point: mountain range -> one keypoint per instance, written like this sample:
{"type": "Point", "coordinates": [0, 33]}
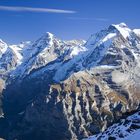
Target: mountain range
{"type": "Point", "coordinates": [69, 90]}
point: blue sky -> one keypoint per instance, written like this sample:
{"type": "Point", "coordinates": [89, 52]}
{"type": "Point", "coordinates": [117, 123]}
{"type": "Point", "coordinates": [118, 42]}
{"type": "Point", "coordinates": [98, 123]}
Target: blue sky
{"type": "Point", "coordinates": [22, 20]}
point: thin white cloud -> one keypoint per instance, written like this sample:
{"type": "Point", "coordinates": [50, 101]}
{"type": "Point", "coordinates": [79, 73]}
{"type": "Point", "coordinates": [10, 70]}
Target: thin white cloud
{"type": "Point", "coordinates": [31, 9]}
{"type": "Point", "coordinates": [88, 19]}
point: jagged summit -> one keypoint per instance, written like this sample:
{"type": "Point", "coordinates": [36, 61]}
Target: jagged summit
{"type": "Point", "coordinates": [123, 29]}
{"type": "Point", "coordinates": [113, 30]}
{"type": "Point", "coordinates": [49, 35]}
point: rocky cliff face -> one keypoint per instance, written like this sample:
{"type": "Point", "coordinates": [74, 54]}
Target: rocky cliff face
{"type": "Point", "coordinates": [71, 89]}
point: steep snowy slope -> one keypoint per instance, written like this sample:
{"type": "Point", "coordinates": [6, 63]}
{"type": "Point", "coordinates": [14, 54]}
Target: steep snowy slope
{"type": "Point", "coordinates": [126, 129]}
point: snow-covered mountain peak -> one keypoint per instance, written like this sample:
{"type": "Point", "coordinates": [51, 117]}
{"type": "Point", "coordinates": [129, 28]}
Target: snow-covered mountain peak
{"type": "Point", "coordinates": [101, 46]}
{"type": "Point", "coordinates": [47, 48]}
{"type": "Point", "coordinates": [123, 29]}
{"type": "Point", "coordinates": [45, 41]}
{"type": "Point", "coordinates": [49, 35]}
{"type": "Point", "coordinates": [114, 30]}
{"type": "Point", "coordinates": [121, 25]}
